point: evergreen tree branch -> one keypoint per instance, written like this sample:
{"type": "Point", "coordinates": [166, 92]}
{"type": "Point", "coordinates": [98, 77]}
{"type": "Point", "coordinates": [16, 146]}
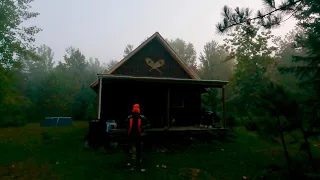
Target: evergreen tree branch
{"type": "Point", "coordinates": [242, 17]}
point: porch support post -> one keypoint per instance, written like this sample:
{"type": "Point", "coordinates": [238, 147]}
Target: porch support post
{"type": "Point", "coordinates": [168, 108]}
{"type": "Point", "coordinates": [224, 107]}
{"type": "Point", "coordinates": [99, 101]}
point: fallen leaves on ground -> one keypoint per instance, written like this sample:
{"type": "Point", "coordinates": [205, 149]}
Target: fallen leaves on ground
{"type": "Point", "coordinates": [27, 170]}
{"type": "Point", "coordinates": [195, 174]}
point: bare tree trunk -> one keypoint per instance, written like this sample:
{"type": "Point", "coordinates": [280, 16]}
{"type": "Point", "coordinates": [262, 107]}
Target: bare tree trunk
{"type": "Point", "coordinates": [284, 146]}
{"type": "Point", "coordinates": [306, 139]}
{"type": "Point", "coordinates": [307, 148]}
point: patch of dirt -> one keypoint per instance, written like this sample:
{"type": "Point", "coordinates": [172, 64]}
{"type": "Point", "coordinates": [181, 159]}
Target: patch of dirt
{"type": "Point", "coordinates": [195, 174]}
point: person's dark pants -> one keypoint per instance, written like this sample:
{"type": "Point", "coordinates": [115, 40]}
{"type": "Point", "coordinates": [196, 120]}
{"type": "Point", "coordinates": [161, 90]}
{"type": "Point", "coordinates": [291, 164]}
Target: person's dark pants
{"type": "Point", "coordinates": [135, 142]}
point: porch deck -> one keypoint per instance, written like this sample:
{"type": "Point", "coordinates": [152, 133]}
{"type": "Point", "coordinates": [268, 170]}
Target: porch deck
{"type": "Point", "coordinates": [175, 134]}
{"type": "Point", "coordinates": [184, 128]}
{"type": "Point", "coordinates": [173, 129]}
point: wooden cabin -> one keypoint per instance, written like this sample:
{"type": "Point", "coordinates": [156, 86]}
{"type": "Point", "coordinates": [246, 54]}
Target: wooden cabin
{"type": "Point", "coordinates": [154, 76]}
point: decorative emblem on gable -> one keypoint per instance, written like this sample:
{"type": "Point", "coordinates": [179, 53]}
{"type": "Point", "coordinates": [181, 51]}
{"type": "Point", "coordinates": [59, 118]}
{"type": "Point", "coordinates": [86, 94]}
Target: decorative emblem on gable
{"type": "Point", "coordinates": [155, 65]}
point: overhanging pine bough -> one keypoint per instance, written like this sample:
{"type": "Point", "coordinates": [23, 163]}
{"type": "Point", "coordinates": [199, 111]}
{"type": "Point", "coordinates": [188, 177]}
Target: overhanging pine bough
{"type": "Point", "coordinates": [272, 18]}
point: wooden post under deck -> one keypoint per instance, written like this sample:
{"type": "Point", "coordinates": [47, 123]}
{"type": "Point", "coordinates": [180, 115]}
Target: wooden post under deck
{"type": "Point", "coordinates": [99, 101]}
{"type": "Point", "coordinates": [168, 108]}
{"type": "Point", "coordinates": [224, 116]}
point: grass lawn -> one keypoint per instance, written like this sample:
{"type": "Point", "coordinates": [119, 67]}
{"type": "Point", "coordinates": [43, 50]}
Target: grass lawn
{"type": "Point", "coordinates": [32, 152]}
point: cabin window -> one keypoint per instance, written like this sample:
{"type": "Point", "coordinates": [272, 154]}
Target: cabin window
{"type": "Point", "coordinates": [177, 100]}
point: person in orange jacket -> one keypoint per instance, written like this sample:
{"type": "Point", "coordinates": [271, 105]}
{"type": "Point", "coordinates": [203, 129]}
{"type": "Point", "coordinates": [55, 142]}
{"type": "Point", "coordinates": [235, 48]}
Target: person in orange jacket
{"type": "Point", "coordinates": [137, 124]}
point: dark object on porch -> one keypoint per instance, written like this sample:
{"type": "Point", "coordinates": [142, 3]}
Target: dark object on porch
{"type": "Point", "coordinates": [216, 118]}
{"type": "Point", "coordinates": [97, 133]}
{"type": "Point", "coordinates": [99, 136]}
{"type": "Point", "coordinates": [56, 121]}
{"type": "Point", "coordinates": [111, 126]}
{"type": "Point", "coordinates": [207, 118]}
{"type": "Point", "coordinates": [210, 118]}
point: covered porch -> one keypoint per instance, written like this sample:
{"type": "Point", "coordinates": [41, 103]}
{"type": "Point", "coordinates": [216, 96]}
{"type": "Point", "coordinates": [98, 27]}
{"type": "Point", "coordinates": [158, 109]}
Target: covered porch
{"type": "Point", "coordinates": [169, 103]}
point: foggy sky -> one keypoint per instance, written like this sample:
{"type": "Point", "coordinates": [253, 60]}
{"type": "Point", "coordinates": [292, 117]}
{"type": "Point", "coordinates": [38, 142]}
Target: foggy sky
{"type": "Point", "coordinates": [102, 28]}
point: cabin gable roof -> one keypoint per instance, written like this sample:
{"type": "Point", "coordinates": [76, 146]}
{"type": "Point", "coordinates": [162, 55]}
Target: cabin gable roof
{"type": "Point", "coordinates": [145, 53]}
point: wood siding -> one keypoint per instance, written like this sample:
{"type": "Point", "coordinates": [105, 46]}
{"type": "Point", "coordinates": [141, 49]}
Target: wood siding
{"type": "Point", "coordinates": [137, 66]}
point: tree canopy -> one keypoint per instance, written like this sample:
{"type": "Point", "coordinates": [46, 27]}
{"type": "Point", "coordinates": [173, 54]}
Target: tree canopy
{"type": "Point", "coordinates": [16, 40]}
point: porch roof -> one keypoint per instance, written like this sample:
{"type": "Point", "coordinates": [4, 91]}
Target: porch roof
{"type": "Point", "coordinates": [164, 80]}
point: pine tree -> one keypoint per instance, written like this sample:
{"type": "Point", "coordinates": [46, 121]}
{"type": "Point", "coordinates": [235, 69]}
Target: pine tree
{"type": "Point", "coordinates": [307, 14]}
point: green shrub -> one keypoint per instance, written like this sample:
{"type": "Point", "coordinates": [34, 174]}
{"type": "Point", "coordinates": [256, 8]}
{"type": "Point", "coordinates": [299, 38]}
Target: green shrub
{"type": "Point", "coordinates": [231, 120]}
{"type": "Point", "coordinates": [45, 136]}
{"type": "Point", "coordinates": [250, 124]}
{"type": "Point", "coordinates": [267, 126]}
{"type": "Point", "coordinates": [13, 121]}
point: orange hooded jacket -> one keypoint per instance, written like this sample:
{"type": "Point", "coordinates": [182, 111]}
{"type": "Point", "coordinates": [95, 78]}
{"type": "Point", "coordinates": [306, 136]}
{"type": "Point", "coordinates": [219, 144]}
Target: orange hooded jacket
{"type": "Point", "coordinates": [136, 110]}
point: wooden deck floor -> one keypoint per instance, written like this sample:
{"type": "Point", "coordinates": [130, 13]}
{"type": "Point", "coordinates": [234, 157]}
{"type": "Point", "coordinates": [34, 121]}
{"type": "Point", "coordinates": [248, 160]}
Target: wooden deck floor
{"type": "Point", "coordinates": [175, 129]}
{"type": "Point", "coordinates": [121, 133]}
{"type": "Point", "coordinates": [184, 128]}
